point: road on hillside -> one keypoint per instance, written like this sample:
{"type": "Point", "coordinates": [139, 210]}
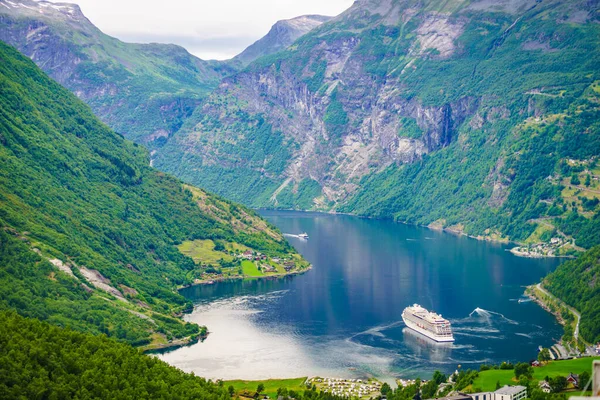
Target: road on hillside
{"type": "Point", "coordinates": [574, 311]}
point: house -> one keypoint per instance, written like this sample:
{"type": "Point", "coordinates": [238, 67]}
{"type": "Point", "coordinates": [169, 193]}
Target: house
{"type": "Point", "coordinates": [267, 268]}
{"type": "Point", "coordinates": [247, 255]}
{"type": "Point", "coordinates": [289, 265]}
{"type": "Point", "coordinates": [510, 393]}
{"type": "Point", "coordinates": [504, 393]}
{"type": "Point", "coordinates": [459, 396]}
{"type": "Point", "coordinates": [573, 379]}
{"type": "Point", "coordinates": [483, 396]}
{"type": "Point", "coordinates": [598, 348]}
{"type": "Point", "coordinates": [545, 386]}
{"type": "Point", "coordinates": [535, 363]}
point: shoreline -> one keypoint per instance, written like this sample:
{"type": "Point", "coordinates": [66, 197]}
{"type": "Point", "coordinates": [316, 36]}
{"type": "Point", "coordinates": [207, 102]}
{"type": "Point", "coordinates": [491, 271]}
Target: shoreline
{"type": "Point", "coordinates": [433, 227]}
{"type": "Point", "coordinates": [190, 340]}
{"type": "Point", "coordinates": [243, 278]}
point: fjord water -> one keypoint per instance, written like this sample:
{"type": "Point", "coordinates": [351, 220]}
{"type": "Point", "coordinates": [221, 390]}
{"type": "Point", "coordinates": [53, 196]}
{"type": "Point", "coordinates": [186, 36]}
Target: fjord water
{"type": "Point", "coordinates": [343, 318]}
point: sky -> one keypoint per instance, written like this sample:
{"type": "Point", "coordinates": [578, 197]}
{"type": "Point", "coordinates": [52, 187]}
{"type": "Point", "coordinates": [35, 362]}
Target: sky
{"type": "Point", "coordinates": [209, 29]}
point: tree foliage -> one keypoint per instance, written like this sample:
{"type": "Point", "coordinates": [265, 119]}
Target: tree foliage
{"type": "Point", "coordinates": [38, 360]}
{"type": "Point", "coordinates": [73, 190]}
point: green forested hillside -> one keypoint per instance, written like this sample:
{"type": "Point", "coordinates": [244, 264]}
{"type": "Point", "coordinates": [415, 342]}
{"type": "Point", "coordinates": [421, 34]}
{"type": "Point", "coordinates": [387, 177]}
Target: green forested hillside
{"type": "Point", "coordinates": [577, 282]}
{"type": "Point", "coordinates": [88, 229]}
{"type": "Point", "coordinates": [40, 361]}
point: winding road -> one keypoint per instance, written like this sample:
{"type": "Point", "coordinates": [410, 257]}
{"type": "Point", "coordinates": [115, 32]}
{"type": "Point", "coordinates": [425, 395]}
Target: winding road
{"type": "Point", "coordinates": [574, 311]}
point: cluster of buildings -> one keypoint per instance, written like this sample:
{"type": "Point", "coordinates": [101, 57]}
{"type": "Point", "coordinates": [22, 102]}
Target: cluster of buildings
{"type": "Point", "coordinates": [252, 255]}
{"type": "Point", "coordinates": [347, 387]}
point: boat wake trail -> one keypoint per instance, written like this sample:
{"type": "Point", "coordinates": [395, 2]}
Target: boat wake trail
{"type": "Point", "coordinates": [487, 315]}
{"type": "Point", "coordinates": [376, 331]}
{"type": "Point", "coordinates": [293, 235]}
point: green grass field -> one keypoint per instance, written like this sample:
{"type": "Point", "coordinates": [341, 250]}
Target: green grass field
{"type": "Point", "coordinates": [271, 386]}
{"type": "Point", "coordinates": [250, 269]}
{"type": "Point", "coordinates": [487, 379]}
{"type": "Point", "coordinates": [203, 251]}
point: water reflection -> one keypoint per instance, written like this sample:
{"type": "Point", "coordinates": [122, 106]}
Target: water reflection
{"type": "Point", "coordinates": [426, 348]}
{"type": "Point", "coordinates": [343, 318]}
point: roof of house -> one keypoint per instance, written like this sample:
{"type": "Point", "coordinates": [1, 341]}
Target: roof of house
{"type": "Point", "coordinates": [510, 390]}
{"type": "Point", "coordinates": [459, 396]}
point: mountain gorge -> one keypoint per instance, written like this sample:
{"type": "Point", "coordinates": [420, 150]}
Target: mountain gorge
{"type": "Point", "coordinates": [472, 116]}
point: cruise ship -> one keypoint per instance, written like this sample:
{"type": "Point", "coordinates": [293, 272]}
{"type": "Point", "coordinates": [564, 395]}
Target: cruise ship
{"type": "Point", "coordinates": [427, 323]}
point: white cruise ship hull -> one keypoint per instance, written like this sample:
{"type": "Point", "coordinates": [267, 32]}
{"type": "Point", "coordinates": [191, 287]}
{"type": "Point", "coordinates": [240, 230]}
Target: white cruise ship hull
{"type": "Point", "coordinates": [427, 333]}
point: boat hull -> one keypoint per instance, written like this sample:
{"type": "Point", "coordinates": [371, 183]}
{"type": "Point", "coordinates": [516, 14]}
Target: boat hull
{"type": "Point", "coordinates": [425, 332]}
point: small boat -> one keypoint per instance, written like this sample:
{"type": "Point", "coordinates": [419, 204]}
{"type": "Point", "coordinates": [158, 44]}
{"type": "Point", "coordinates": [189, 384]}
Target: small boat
{"type": "Point", "coordinates": [303, 235]}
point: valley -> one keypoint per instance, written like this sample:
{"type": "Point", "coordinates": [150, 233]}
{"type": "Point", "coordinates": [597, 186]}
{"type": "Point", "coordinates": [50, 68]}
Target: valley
{"type": "Point", "coordinates": [153, 201]}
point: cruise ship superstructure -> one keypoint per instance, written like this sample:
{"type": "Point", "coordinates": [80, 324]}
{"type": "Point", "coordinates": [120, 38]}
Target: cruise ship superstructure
{"type": "Point", "coordinates": [427, 323]}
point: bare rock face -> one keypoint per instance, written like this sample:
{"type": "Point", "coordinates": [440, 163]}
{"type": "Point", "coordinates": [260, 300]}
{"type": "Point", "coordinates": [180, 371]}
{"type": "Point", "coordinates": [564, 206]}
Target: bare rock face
{"type": "Point", "coordinates": [385, 84]}
{"type": "Point", "coordinates": [375, 115]}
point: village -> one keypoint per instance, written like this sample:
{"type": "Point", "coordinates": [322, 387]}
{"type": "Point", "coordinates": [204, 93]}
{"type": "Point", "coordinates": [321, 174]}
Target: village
{"type": "Point", "coordinates": [355, 388]}
{"type": "Point", "coordinates": [556, 247]}
{"type": "Point", "coordinates": [490, 382]}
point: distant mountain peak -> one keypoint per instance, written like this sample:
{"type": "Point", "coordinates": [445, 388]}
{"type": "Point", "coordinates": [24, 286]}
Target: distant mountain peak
{"type": "Point", "coordinates": [44, 8]}
{"type": "Point", "coordinates": [282, 34]}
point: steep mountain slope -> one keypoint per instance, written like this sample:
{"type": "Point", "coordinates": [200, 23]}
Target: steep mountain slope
{"type": "Point", "coordinates": [88, 231]}
{"type": "Point", "coordinates": [280, 36]}
{"type": "Point", "coordinates": [142, 91]}
{"type": "Point", "coordinates": [470, 115]}
{"type": "Point", "coordinates": [577, 282]}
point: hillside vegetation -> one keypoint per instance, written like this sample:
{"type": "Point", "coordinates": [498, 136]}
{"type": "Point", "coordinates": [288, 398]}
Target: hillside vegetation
{"type": "Point", "coordinates": [475, 116]}
{"type": "Point", "coordinates": [88, 230]}
{"type": "Point", "coordinates": [41, 361]}
{"type": "Point", "coordinates": [577, 283]}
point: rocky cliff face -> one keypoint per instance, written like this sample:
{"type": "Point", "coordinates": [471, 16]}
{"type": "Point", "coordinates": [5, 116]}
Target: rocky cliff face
{"type": "Point", "coordinates": [141, 91]}
{"type": "Point", "coordinates": [388, 89]}
{"type": "Point", "coordinates": [345, 119]}
{"type": "Point", "coordinates": [281, 35]}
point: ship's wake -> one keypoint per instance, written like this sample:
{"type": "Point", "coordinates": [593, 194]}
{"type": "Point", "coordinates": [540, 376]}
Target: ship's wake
{"type": "Point", "coordinates": [487, 316]}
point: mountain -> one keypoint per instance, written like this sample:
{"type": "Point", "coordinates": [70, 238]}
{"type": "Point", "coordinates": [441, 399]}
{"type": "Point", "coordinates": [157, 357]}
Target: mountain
{"type": "Point", "coordinates": [577, 282]}
{"type": "Point", "coordinates": [143, 91]}
{"type": "Point", "coordinates": [473, 116]}
{"type": "Point", "coordinates": [281, 35]}
{"type": "Point", "coordinates": [88, 231]}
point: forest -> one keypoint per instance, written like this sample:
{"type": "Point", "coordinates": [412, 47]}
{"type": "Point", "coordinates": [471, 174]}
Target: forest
{"type": "Point", "coordinates": [73, 191]}
{"type": "Point", "coordinates": [42, 361]}
{"type": "Point", "coordinates": [577, 283]}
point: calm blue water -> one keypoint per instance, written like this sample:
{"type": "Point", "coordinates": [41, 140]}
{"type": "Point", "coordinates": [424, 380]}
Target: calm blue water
{"type": "Point", "coordinates": [343, 318]}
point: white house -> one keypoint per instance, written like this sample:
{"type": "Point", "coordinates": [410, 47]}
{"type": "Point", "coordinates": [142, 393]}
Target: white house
{"type": "Point", "coordinates": [545, 386]}
{"type": "Point", "coordinates": [504, 393]}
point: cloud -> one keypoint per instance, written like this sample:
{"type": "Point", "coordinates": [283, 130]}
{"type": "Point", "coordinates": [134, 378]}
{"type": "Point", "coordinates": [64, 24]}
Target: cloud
{"type": "Point", "coordinates": [209, 29]}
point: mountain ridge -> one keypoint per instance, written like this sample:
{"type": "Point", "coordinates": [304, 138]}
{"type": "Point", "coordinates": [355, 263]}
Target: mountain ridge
{"type": "Point", "coordinates": [281, 35]}
{"type": "Point", "coordinates": [361, 106]}
{"type": "Point", "coordinates": [124, 83]}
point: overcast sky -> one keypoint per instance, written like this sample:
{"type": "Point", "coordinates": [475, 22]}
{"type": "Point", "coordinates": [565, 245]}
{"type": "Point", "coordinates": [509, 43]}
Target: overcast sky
{"type": "Point", "coordinates": [210, 29]}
